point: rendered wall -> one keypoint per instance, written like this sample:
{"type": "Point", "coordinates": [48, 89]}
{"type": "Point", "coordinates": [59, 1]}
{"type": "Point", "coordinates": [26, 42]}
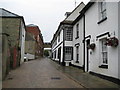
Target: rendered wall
{"type": "Point", "coordinates": [94, 29]}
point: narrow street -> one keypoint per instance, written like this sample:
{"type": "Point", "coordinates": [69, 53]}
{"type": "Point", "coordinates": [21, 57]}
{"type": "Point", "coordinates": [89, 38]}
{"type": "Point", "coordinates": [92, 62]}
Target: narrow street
{"type": "Point", "coordinates": [39, 74]}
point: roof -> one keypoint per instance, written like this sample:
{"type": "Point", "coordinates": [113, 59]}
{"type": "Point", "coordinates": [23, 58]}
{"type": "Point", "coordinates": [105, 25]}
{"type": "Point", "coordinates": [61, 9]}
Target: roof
{"type": "Point", "coordinates": [78, 8]}
{"type": "Point", "coordinates": [33, 29]}
{"type": "Point", "coordinates": [6, 13]}
{"type": "Point", "coordinates": [31, 25]}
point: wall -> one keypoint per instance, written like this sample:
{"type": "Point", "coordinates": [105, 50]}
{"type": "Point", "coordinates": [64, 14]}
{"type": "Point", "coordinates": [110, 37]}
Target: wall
{"type": "Point", "coordinates": [5, 56]}
{"type": "Point", "coordinates": [76, 41]}
{"type": "Point", "coordinates": [119, 39]}
{"type": "Point", "coordinates": [94, 29]}
{"type": "Point", "coordinates": [0, 53]}
{"type": "Point", "coordinates": [60, 43]}
{"type": "Point", "coordinates": [11, 26]}
{"type": "Point", "coordinates": [22, 41]}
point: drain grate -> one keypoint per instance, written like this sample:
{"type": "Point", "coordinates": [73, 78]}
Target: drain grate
{"type": "Point", "coordinates": [55, 78]}
{"type": "Point", "coordinates": [10, 78]}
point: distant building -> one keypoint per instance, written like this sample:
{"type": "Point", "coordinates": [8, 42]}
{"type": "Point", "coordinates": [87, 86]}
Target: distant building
{"type": "Point", "coordinates": [39, 46]}
{"type": "Point", "coordinates": [13, 34]}
{"type": "Point", "coordinates": [47, 47]}
{"type": "Point", "coordinates": [29, 46]}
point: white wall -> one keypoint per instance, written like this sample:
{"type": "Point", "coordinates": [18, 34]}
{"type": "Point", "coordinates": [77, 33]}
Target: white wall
{"type": "Point", "coordinates": [79, 40]}
{"type": "Point", "coordinates": [61, 45]}
{"type": "Point", "coordinates": [22, 41]}
{"type": "Point", "coordinates": [119, 39]}
{"type": "Point", "coordinates": [94, 29]}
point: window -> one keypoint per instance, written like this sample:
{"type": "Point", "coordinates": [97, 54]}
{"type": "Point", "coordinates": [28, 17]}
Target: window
{"type": "Point", "coordinates": [104, 52]}
{"type": "Point", "coordinates": [59, 37]}
{"type": "Point", "coordinates": [77, 31]}
{"type": "Point", "coordinates": [68, 53]}
{"type": "Point", "coordinates": [102, 10]}
{"type": "Point", "coordinates": [55, 54]}
{"type": "Point", "coordinates": [68, 34]}
{"type": "Point", "coordinates": [77, 54]}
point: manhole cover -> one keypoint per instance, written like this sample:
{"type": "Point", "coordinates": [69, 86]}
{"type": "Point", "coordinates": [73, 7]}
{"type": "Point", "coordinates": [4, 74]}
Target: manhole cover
{"type": "Point", "coordinates": [55, 78]}
{"type": "Point", "coordinates": [10, 78]}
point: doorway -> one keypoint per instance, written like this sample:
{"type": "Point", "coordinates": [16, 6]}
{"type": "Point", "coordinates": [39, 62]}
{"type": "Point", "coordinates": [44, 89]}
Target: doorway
{"type": "Point", "coordinates": [59, 54]}
{"type": "Point", "coordinates": [87, 52]}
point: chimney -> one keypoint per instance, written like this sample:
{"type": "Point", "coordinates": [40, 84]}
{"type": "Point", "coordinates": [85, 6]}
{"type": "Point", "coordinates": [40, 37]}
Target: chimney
{"type": "Point", "coordinates": [67, 14]}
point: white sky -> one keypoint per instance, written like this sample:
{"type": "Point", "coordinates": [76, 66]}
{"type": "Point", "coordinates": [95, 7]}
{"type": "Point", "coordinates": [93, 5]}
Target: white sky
{"type": "Point", "coordinates": [47, 14]}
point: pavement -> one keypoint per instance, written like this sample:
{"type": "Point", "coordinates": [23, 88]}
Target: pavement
{"type": "Point", "coordinates": [39, 73]}
{"type": "Point", "coordinates": [85, 79]}
{"type": "Point", "coordinates": [45, 73]}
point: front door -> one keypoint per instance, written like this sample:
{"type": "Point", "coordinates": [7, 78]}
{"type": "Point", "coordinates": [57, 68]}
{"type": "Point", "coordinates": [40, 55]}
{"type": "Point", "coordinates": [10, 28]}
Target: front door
{"type": "Point", "coordinates": [87, 59]}
{"type": "Point", "coordinates": [59, 54]}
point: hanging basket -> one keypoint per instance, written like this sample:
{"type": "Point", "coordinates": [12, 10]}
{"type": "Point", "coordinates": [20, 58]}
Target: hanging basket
{"type": "Point", "coordinates": [91, 46]}
{"type": "Point", "coordinates": [113, 41]}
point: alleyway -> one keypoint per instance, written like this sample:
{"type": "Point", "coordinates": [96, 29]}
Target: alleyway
{"type": "Point", "coordinates": [38, 74]}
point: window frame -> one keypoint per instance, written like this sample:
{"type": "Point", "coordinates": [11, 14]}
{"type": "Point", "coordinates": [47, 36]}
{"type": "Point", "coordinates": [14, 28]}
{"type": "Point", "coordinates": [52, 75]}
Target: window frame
{"type": "Point", "coordinates": [69, 34]}
{"type": "Point", "coordinates": [77, 54]}
{"type": "Point", "coordinates": [102, 9]}
{"type": "Point", "coordinates": [77, 30]}
{"type": "Point", "coordinates": [69, 50]}
{"type": "Point", "coordinates": [103, 49]}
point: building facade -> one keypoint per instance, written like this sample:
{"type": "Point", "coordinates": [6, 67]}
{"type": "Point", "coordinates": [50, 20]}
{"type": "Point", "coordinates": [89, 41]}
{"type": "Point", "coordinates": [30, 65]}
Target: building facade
{"type": "Point", "coordinates": [99, 41]}
{"type": "Point", "coordinates": [13, 39]}
{"type": "Point", "coordinates": [94, 42]}
{"type": "Point", "coordinates": [29, 46]}
{"type": "Point", "coordinates": [39, 45]}
{"type": "Point", "coordinates": [62, 42]}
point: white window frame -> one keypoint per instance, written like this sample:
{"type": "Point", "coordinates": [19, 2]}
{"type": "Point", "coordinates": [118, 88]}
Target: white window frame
{"type": "Point", "coordinates": [77, 30]}
{"type": "Point", "coordinates": [69, 34]}
{"type": "Point", "coordinates": [103, 10]}
{"type": "Point", "coordinates": [77, 53]}
{"type": "Point", "coordinates": [68, 52]}
{"type": "Point", "coordinates": [103, 50]}
{"type": "Point", "coordinates": [59, 37]}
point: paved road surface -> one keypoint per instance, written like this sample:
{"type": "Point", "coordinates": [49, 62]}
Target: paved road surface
{"type": "Point", "coordinates": [38, 74]}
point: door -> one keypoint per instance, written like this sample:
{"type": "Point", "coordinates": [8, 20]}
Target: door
{"type": "Point", "coordinates": [59, 54]}
{"type": "Point", "coordinates": [87, 59]}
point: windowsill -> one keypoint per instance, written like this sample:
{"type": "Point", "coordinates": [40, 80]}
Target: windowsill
{"type": "Point", "coordinates": [102, 20]}
{"type": "Point", "coordinates": [103, 66]}
{"type": "Point", "coordinates": [76, 37]}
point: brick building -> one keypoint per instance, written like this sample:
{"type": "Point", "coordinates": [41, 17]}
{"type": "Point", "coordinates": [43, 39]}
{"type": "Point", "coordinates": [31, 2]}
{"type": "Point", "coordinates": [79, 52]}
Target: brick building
{"type": "Point", "coordinates": [39, 46]}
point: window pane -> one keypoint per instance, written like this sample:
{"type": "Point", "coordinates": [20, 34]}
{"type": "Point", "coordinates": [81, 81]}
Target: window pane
{"type": "Point", "coordinates": [68, 53]}
{"type": "Point", "coordinates": [68, 36]}
{"type": "Point", "coordinates": [103, 10]}
{"type": "Point", "coordinates": [104, 51]}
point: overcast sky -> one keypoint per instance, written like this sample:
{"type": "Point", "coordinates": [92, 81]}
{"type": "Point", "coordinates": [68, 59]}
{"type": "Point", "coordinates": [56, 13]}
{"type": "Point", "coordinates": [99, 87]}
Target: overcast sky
{"type": "Point", "coordinates": [47, 14]}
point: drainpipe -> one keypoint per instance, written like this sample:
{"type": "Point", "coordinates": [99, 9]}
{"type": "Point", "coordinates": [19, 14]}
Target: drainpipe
{"type": "Point", "coordinates": [63, 62]}
{"type": "Point", "coordinates": [84, 42]}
